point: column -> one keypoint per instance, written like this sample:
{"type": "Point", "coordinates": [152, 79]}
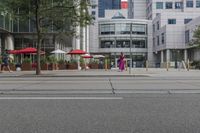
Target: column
{"type": "Point", "coordinates": [84, 38]}
{"type": "Point", "coordinates": [77, 39]}
{"type": "Point", "coordinates": [162, 57]}
{"type": "Point", "coordinates": [185, 55]}
{"type": "Point", "coordinates": [88, 39]}
{"type": "Point", "coordinates": [9, 42]}
{"type": "Point", "coordinates": [168, 55]}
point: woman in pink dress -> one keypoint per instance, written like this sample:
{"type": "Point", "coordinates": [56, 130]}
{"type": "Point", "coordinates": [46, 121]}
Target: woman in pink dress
{"type": "Point", "coordinates": [121, 62]}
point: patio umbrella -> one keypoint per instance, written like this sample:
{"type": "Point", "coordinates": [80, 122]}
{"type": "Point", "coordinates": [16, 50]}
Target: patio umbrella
{"type": "Point", "coordinates": [76, 52]}
{"type": "Point", "coordinates": [98, 56]}
{"type": "Point", "coordinates": [14, 51]}
{"type": "Point", "coordinates": [58, 51]}
{"type": "Point", "coordinates": [87, 56]}
{"type": "Point", "coordinates": [28, 50]}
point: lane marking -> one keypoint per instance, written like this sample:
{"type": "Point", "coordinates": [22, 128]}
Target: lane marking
{"type": "Point", "coordinates": [61, 98]}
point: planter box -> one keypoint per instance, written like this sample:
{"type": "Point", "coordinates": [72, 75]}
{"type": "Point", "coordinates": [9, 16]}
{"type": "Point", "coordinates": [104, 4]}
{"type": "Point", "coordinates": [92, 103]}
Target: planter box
{"type": "Point", "coordinates": [72, 66]}
{"type": "Point", "coordinates": [53, 66]}
{"type": "Point", "coordinates": [94, 66]}
{"type": "Point", "coordinates": [62, 66]}
{"type": "Point", "coordinates": [12, 67]}
{"type": "Point", "coordinates": [26, 67]}
{"type": "Point", "coordinates": [44, 66]}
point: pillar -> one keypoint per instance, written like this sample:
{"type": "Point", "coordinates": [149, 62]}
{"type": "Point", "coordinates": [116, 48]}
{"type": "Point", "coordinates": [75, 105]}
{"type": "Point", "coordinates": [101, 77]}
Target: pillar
{"type": "Point", "coordinates": [84, 38]}
{"type": "Point", "coordinates": [88, 39]}
{"type": "Point", "coordinates": [77, 39]}
{"type": "Point", "coordinates": [162, 57]}
{"type": "Point", "coordinates": [168, 55]}
{"type": "Point", "coordinates": [185, 55]}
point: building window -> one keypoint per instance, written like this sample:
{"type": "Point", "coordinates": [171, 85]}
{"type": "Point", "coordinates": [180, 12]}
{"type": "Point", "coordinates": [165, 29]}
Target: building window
{"type": "Point", "coordinates": [139, 29]}
{"type": "Point", "coordinates": [93, 6]}
{"type": "Point", "coordinates": [169, 5]}
{"type": "Point", "coordinates": [171, 21]}
{"type": "Point", "coordinates": [158, 41]}
{"type": "Point", "coordinates": [93, 12]}
{"type": "Point", "coordinates": [163, 38]}
{"type": "Point", "coordinates": [187, 20]}
{"type": "Point", "coordinates": [107, 29]}
{"type": "Point", "coordinates": [154, 41]}
{"type": "Point", "coordinates": [154, 29]}
{"type": "Point", "coordinates": [189, 3]}
{"type": "Point", "coordinates": [178, 5]}
{"type": "Point", "coordinates": [159, 5]}
{"type": "Point", "coordinates": [122, 28]}
{"type": "Point", "coordinates": [138, 44]}
{"type": "Point", "coordinates": [158, 25]}
{"type": "Point", "coordinates": [187, 36]}
{"type": "Point", "coordinates": [198, 4]}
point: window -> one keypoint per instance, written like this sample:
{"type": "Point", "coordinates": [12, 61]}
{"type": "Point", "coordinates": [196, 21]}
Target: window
{"type": "Point", "coordinates": [171, 21]}
{"type": "Point", "coordinates": [154, 29]}
{"type": "Point", "coordinates": [107, 29]}
{"type": "Point", "coordinates": [163, 38]}
{"type": "Point", "coordinates": [139, 29]}
{"type": "Point", "coordinates": [93, 12]}
{"type": "Point", "coordinates": [187, 36]}
{"type": "Point", "coordinates": [189, 3]}
{"type": "Point", "coordinates": [187, 20]}
{"type": "Point", "coordinates": [93, 7]}
{"type": "Point", "coordinates": [159, 5]}
{"type": "Point", "coordinates": [154, 41]}
{"type": "Point", "coordinates": [169, 5]}
{"type": "Point", "coordinates": [158, 25]}
{"type": "Point", "coordinates": [158, 40]}
{"type": "Point", "coordinates": [178, 5]}
{"type": "Point", "coordinates": [198, 4]}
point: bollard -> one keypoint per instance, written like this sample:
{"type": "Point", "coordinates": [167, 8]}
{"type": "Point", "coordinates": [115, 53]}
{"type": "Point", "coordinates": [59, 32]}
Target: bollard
{"type": "Point", "coordinates": [188, 64]}
{"type": "Point", "coordinates": [147, 65]}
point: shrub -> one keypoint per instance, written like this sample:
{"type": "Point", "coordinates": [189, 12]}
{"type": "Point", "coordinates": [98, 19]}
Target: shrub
{"type": "Point", "coordinates": [27, 60]}
{"type": "Point", "coordinates": [43, 60]}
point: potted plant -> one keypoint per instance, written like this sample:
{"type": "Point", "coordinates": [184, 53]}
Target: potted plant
{"type": "Point", "coordinates": [26, 64]}
{"type": "Point", "coordinates": [61, 65]}
{"type": "Point", "coordinates": [44, 63]}
{"type": "Point", "coordinates": [53, 65]}
{"type": "Point", "coordinates": [93, 64]}
{"type": "Point", "coordinates": [72, 64]}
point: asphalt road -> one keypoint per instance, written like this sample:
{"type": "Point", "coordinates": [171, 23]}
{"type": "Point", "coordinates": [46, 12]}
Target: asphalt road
{"type": "Point", "coordinates": [99, 105]}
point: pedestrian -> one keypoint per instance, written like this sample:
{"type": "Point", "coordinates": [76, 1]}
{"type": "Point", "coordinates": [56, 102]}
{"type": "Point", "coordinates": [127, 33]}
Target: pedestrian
{"type": "Point", "coordinates": [121, 62]}
{"type": "Point", "coordinates": [5, 60]}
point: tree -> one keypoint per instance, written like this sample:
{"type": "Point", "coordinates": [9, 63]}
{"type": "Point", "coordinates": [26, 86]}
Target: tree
{"type": "Point", "coordinates": [59, 16]}
{"type": "Point", "coordinates": [195, 42]}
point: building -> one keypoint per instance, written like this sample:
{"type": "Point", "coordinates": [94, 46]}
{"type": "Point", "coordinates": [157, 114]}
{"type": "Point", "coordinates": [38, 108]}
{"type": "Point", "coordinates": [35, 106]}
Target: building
{"type": "Point", "coordinates": [170, 20]}
{"type": "Point", "coordinates": [137, 9]}
{"type": "Point", "coordinates": [118, 34]}
{"type": "Point", "coordinates": [107, 4]}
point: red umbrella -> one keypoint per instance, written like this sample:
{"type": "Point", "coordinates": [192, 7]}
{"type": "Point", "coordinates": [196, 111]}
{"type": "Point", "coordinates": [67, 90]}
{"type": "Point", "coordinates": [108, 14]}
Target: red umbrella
{"type": "Point", "coordinates": [14, 51]}
{"type": "Point", "coordinates": [28, 50]}
{"type": "Point", "coordinates": [87, 56]}
{"type": "Point", "coordinates": [77, 51]}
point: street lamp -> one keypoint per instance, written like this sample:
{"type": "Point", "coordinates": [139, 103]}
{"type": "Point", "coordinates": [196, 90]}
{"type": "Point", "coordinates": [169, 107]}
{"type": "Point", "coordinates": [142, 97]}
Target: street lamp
{"type": "Point", "coordinates": [130, 64]}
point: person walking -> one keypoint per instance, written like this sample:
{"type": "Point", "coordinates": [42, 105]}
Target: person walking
{"type": "Point", "coordinates": [121, 62]}
{"type": "Point", "coordinates": [5, 61]}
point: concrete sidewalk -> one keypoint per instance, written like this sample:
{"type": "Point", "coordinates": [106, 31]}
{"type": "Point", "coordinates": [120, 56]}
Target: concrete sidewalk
{"type": "Point", "coordinates": [135, 72]}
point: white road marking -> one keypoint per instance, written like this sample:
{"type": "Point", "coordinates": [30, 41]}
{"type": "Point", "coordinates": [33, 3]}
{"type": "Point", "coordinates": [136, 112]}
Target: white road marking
{"type": "Point", "coordinates": [61, 98]}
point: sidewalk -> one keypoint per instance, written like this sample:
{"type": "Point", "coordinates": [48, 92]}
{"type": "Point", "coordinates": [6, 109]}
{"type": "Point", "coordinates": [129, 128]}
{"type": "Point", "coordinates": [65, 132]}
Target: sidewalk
{"type": "Point", "coordinates": [135, 72]}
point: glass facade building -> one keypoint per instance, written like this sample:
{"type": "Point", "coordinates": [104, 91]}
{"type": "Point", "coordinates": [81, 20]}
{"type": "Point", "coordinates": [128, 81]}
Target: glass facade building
{"type": "Point", "coordinates": [108, 4]}
{"type": "Point", "coordinates": [127, 36]}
